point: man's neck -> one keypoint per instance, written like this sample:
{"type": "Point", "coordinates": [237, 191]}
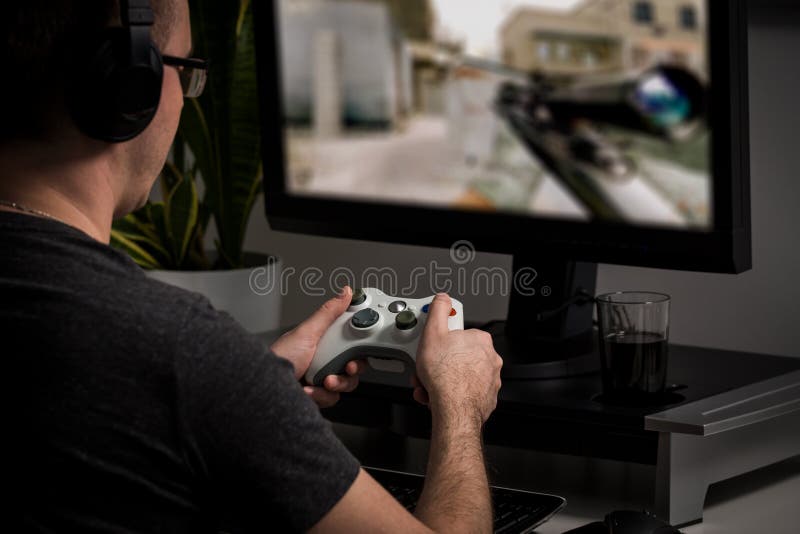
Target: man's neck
{"type": "Point", "coordinates": [77, 192]}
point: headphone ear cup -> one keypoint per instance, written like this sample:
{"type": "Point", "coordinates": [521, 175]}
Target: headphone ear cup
{"type": "Point", "coordinates": [138, 96]}
{"type": "Point", "coordinates": [109, 98]}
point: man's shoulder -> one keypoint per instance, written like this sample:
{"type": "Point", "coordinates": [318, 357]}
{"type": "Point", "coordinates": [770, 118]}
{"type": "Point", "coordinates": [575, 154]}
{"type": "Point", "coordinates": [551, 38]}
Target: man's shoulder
{"type": "Point", "coordinates": [177, 332]}
{"type": "Point", "coordinates": [158, 306]}
{"type": "Point", "coordinates": [159, 299]}
{"type": "Point", "coordinates": [91, 294]}
{"type": "Point", "coordinates": [191, 320]}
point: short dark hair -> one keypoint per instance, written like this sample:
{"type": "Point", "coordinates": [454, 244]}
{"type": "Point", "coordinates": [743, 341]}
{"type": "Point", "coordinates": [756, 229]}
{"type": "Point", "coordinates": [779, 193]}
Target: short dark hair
{"type": "Point", "coordinates": [37, 37]}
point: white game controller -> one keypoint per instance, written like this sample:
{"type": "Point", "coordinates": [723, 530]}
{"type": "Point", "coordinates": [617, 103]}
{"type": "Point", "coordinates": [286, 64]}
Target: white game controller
{"type": "Point", "coordinates": [382, 329]}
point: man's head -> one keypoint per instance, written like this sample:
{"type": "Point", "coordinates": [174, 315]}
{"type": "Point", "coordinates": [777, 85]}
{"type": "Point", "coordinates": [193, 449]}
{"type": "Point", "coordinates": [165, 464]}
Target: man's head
{"type": "Point", "coordinates": [43, 38]}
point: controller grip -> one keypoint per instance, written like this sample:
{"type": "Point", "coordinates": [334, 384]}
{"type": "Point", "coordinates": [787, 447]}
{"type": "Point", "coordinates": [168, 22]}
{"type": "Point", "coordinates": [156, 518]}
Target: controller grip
{"type": "Point", "coordinates": [337, 364]}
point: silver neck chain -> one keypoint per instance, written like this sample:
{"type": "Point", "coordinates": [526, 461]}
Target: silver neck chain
{"type": "Point", "coordinates": [19, 207]}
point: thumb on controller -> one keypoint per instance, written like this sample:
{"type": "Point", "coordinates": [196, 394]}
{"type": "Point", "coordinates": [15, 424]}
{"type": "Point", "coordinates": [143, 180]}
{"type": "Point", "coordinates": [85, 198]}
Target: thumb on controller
{"type": "Point", "coordinates": [438, 314]}
{"type": "Point", "coordinates": [323, 318]}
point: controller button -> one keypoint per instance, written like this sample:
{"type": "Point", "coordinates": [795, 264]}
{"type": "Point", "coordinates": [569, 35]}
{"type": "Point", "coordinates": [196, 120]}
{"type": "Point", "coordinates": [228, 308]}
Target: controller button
{"type": "Point", "coordinates": [358, 297]}
{"type": "Point", "coordinates": [405, 320]}
{"type": "Point", "coordinates": [453, 311]}
{"type": "Point", "coordinates": [397, 306]}
{"type": "Point", "coordinates": [365, 318]}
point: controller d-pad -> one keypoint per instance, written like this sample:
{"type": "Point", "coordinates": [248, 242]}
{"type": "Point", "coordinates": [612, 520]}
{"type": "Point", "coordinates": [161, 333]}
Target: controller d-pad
{"type": "Point", "coordinates": [365, 318]}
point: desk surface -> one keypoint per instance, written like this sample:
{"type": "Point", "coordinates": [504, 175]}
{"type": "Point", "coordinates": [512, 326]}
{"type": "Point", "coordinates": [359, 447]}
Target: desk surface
{"type": "Point", "coordinates": [594, 487]}
{"type": "Point", "coordinates": [766, 500]}
{"type": "Point", "coordinates": [763, 501]}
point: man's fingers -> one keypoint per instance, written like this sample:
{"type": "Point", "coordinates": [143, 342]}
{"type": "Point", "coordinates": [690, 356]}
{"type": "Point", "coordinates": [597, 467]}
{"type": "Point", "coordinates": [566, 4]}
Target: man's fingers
{"type": "Point", "coordinates": [421, 396]}
{"type": "Point", "coordinates": [438, 313]}
{"type": "Point", "coordinates": [344, 383]}
{"type": "Point", "coordinates": [323, 318]}
{"type": "Point", "coordinates": [340, 384]}
{"type": "Point", "coordinates": [356, 367]}
{"type": "Point", "coordinates": [322, 397]}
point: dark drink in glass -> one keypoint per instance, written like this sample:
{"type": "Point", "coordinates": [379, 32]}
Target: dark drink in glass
{"type": "Point", "coordinates": [635, 363]}
{"type": "Point", "coordinates": [634, 334]}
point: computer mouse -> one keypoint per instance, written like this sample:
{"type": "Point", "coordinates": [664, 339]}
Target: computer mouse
{"type": "Point", "coordinates": [628, 522]}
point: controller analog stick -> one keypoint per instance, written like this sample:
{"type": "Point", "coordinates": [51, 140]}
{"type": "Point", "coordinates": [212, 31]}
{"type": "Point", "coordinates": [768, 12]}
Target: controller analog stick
{"type": "Point", "coordinates": [359, 297]}
{"type": "Point", "coordinates": [365, 318]}
{"type": "Point", "coordinates": [405, 320]}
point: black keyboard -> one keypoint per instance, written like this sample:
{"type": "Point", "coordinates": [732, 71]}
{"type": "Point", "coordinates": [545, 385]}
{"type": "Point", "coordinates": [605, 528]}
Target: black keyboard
{"type": "Point", "coordinates": [515, 511]}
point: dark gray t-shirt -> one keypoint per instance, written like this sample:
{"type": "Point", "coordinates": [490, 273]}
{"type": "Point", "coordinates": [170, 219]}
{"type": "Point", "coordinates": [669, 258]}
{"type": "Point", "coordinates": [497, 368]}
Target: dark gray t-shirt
{"type": "Point", "coordinates": [136, 407]}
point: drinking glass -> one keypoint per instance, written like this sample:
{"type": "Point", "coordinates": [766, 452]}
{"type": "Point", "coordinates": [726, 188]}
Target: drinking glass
{"type": "Point", "coordinates": [634, 335]}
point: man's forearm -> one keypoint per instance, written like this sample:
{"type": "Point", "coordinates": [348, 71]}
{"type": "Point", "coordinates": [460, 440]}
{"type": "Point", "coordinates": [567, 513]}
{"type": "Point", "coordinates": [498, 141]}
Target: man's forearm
{"type": "Point", "coordinates": [456, 494]}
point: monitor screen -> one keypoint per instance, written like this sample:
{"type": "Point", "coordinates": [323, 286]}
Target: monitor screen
{"type": "Point", "coordinates": [572, 110]}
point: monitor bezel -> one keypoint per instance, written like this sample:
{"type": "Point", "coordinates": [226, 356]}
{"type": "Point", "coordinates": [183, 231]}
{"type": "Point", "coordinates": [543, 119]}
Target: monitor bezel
{"type": "Point", "coordinates": [726, 249]}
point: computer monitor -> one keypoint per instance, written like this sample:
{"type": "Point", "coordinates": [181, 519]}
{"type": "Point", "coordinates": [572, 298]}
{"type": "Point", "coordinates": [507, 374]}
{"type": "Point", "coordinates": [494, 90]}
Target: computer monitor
{"type": "Point", "coordinates": [564, 132]}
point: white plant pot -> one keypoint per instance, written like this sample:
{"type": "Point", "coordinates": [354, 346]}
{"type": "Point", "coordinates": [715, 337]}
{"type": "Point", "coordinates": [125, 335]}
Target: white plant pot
{"type": "Point", "coordinates": [252, 296]}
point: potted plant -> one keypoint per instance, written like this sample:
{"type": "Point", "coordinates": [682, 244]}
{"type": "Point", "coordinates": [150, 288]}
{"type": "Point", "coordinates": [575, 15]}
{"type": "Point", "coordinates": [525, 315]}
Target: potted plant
{"type": "Point", "coordinates": [212, 180]}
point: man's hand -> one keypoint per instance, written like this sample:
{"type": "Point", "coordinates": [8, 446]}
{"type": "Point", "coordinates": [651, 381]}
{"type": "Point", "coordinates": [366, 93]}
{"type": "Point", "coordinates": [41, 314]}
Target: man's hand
{"type": "Point", "coordinates": [327, 396]}
{"type": "Point", "coordinates": [458, 372]}
{"type": "Point", "coordinates": [299, 345]}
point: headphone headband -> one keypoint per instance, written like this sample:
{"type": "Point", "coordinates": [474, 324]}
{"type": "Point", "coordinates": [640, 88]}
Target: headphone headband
{"type": "Point", "coordinates": [136, 13]}
{"type": "Point", "coordinates": [137, 19]}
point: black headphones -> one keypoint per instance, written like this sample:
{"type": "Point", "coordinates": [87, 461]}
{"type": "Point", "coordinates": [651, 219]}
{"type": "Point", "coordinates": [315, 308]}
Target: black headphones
{"type": "Point", "coordinates": [115, 85]}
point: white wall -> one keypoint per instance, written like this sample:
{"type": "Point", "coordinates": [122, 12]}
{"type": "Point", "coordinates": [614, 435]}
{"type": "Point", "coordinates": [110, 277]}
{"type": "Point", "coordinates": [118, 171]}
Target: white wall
{"type": "Point", "coordinates": [758, 311]}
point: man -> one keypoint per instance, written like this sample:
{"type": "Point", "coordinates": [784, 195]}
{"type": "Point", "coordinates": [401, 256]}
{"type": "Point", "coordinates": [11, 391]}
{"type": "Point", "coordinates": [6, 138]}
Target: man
{"type": "Point", "coordinates": [139, 408]}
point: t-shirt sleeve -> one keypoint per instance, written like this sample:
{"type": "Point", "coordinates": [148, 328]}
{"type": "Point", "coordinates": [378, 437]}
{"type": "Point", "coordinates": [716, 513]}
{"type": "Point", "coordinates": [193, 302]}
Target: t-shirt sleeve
{"type": "Point", "coordinates": [266, 452]}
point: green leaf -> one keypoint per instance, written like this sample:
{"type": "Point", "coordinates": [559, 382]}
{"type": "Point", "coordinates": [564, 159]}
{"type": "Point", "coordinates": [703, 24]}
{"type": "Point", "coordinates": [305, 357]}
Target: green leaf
{"type": "Point", "coordinates": [151, 246]}
{"type": "Point", "coordinates": [196, 255]}
{"type": "Point", "coordinates": [143, 215]}
{"type": "Point", "coordinates": [157, 216]}
{"type": "Point", "coordinates": [131, 225]}
{"type": "Point", "coordinates": [180, 214]}
{"type": "Point", "coordinates": [137, 253]}
{"type": "Point", "coordinates": [244, 10]}
{"type": "Point", "coordinates": [170, 177]}
{"type": "Point", "coordinates": [222, 261]}
{"type": "Point", "coordinates": [179, 155]}
{"type": "Point", "coordinates": [214, 24]}
{"type": "Point", "coordinates": [139, 228]}
{"type": "Point", "coordinates": [245, 142]}
{"type": "Point", "coordinates": [194, 131]}
{"type": "Point", "coordinates": [225, 35]}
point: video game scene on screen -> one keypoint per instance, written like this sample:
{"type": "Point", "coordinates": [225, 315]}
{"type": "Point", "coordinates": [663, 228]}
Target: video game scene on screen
{"type": "Point", "coordinates": [570, 109]}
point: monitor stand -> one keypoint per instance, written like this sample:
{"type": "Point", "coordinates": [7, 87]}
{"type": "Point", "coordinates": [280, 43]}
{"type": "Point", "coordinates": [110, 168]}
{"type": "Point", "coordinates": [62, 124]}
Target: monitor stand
{"type": "Point", "coordinates": [549, 329]}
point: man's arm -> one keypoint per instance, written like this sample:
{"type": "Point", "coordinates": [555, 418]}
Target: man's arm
{"type": "Point", "coordinates": [456, 493]}
{"type": "Point", "coordinates": [458, 378]}
{"type": "Point", "coordinates": [367, 507]}
{"type": "Point", "coordinates": [455, 497]}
